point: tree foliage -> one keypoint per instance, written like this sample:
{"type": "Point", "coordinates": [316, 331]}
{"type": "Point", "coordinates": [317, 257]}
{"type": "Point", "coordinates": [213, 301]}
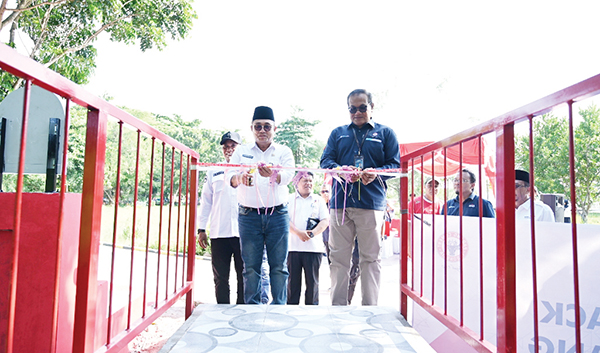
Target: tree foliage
{"type": "Point", "coordinates": [551, 157]}
{"type": "Point", "coordinates": [297, 134]}
{"type": "Point", "coordinates": [62, 31]}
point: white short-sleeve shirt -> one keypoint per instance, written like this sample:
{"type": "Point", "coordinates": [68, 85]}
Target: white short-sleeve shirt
{"type": "Point", "coordinates": [300, 209]}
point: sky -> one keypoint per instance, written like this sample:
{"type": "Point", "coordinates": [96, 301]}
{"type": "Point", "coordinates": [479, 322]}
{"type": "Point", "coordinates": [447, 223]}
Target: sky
{"type": "Point", "coordinates": [435, 68]}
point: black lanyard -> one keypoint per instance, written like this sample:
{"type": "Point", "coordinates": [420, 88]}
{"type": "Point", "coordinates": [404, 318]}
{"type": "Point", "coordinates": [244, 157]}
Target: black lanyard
{"type": "Point", "coordinates": [363, 140]}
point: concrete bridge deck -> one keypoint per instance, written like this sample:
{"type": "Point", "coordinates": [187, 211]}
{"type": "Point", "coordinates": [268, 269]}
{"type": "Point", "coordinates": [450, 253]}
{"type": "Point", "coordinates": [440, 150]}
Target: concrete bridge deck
{"type": "Point", "coordinates": [287, 328]}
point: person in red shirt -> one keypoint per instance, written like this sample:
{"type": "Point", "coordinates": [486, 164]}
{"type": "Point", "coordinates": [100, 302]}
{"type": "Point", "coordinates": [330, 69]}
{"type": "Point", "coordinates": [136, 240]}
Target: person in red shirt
{"type": "Point", "coordinates": [424, 203]}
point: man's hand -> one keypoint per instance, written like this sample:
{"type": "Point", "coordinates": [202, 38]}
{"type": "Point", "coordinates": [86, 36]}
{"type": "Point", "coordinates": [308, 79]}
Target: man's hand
{"type": "Point", "coordinates": [303, 235]}
{"type": "Point", "coordinates": [202, 239]}
{"type": "Point", "coordinates": [367, 176]}
{"type": "Point", "coordinates": [351, 177]}
{"type": "Point", "coordinates": [265, 171]}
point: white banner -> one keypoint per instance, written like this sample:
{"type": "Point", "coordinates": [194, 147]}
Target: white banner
{"type": "Point", "coordinates": [554, 251]}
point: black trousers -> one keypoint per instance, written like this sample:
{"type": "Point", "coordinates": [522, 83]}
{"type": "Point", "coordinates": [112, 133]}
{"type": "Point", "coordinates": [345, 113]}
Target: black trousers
{"type": "Point", "coordinates": [310, 263]}
{"type": "Point", "coordinates": [222, 250]}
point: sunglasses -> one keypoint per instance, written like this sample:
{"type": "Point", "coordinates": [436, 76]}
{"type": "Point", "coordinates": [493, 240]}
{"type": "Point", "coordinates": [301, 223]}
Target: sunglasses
{"type": "Point", "coordinates": [363, 108]}
{"type": "Point", "coordinates": [258, 127]}
{"type": "Point", "coordinates": [324, 191]}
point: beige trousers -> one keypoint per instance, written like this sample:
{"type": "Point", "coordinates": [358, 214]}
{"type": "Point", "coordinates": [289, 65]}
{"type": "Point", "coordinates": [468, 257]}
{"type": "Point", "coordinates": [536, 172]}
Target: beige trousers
{"type": "Point", "coordinates": [366, 226]}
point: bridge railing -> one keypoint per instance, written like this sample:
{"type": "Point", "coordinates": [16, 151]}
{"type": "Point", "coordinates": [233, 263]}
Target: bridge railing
{"type": "Point", "coordinates": [122, 283]}
{"type": "Point", "coordinates": [456, 267]}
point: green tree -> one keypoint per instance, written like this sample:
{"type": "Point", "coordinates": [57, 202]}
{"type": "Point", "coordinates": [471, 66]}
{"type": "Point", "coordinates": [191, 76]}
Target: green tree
{"type": "Point", "coordinates": [297, 134]}
{"type": "Point", "coordinates": [551, 157]}
{"type": "Point", "coordinates": [62, 31]}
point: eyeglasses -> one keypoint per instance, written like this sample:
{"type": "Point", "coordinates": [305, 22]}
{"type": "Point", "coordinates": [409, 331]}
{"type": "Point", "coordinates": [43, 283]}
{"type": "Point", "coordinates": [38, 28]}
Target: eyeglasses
{"type": "Point", "coordinates": [520, 186]}
{"type": "Point", "coordinates": [363, 108]}
{"type": "Point", "coordinates": [259, 127]}
{"type": "Point", "coordinates": [324, 191]}
{"type": "Point", "coordinates": [225, 147]}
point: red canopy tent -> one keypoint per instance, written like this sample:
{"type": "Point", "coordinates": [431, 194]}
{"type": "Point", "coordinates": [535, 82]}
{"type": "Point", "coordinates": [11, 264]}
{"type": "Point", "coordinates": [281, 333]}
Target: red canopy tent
{"type": "Point", "coordinates": [470, 159]}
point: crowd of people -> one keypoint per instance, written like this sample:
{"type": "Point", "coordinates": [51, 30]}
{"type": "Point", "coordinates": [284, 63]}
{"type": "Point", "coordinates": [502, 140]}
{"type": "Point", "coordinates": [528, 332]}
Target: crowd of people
{"type": "Point", "coordinates": [275, 238]}
{"type": "Point", "coordinates": [252, 217]}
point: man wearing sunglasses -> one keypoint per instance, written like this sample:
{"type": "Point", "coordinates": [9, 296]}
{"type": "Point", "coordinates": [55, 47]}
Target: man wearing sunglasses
{"type": "Point", "coordinates": [262, 195]}
{"type": "Point", "coordinates": [358, 204]}
{"type": "Point", "coordinates": [219, 204]}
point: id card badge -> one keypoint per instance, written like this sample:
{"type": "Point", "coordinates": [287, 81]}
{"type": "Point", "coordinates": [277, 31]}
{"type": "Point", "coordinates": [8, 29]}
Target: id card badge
{"type": "Point", "coordinates": [359, 161]}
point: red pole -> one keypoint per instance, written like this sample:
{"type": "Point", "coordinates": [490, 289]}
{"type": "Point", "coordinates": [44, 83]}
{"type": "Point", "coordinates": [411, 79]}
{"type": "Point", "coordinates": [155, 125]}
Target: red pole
{"type": "Point", "coordinates": [574, 231]}
{"type": "Point", "coordinates": [178, 220]}
{"type": "Point", "coordinates": [133, 226]}
{"type": "Point", "coordinates": [480, 162]}
{"type": "Point", "coordinates": [189, 302]}
{"type": "Point", "coordinates": [12, 297]}
{"type": "Point", "coordinates": [89, 239]}
{"type": "Point", "coordinates": [114, 238]}
{"type": "Point", "coordinates": [63, 186]}
{"type": "Point", "coordinates": [404, 238]}
{"type": "Point", "coordinates": [505, 247]}
{"type": "Point", "coordinates": [148, 228]}
{"type": "Point", "coordinates": [160, 218]}
{"type": "Point", "coordinates": [536, 335]}
{"type": "Point", "coordinates": [460, 235]}
{"type": "Point", "coordinates": [185, 228]}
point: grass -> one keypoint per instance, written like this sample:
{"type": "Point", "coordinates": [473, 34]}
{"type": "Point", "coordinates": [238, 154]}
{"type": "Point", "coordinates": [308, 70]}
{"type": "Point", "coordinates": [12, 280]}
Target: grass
{"type": "Point", "coordinates": [124, 229]}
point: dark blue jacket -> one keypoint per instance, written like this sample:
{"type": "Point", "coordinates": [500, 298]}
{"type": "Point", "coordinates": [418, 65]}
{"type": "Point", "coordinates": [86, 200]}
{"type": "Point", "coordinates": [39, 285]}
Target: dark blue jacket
{"type": "Point", "coordinates": [380, 150]}
{"type": "Point", "coordinates": [470, 207]}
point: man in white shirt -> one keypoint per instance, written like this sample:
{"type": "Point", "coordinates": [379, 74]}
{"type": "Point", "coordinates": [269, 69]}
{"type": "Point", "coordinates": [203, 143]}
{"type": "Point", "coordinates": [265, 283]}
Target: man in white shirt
{"type": "Point", "coordinates": [542, 212]}
{"type": "Point", "coordinates": [263, 213]}
{"type": "Point", "coordinates": [219, 204]}
{"type": "Point", "coordinates": [309, 217]}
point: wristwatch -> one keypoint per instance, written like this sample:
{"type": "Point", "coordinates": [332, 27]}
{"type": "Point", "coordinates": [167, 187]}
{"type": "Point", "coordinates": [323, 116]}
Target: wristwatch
{"type": "Point", "coordinates": [310, 233]}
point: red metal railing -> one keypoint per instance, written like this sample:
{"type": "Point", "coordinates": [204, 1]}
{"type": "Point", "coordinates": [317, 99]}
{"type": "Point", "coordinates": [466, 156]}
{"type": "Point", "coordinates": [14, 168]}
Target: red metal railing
{"type": "Point", "coordinates": [450, 310]}
{"type": "Point", "coordinates": [95, 324]}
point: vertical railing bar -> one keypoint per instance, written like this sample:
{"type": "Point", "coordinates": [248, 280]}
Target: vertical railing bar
{"type": "Point", "coordinates": [170, 221]}
{"type": "Point", "coordinates": [178, 220]}
{"type": "Point", "coordinates": [185, 227]}
{"type": "Point", "coordinates": [412, 226]}
{"type": "Point", "coordinates": [445, 231]}
{"type": "Point", "coordinates": [160, 227]}
{"type": "Point", "coordinates": [460, 233]}
{"type": "Point", "coordinates": [574, 229]}
{"type": "Point", "coordinates": [114, 238]}
{"type": "Point", "coordinates": [148, 228]}
{"type": "Point", "coordinates": [536, 337]}
{"type": "Point", "coordinates": [133, 227]}
{"type": "Point", "coordinates": [480, 162]}
{"type": "Point", "coordinates": [12, 297]}
{"type": "Point", "coordinates": [89, 235]}
{"type": "Point", "coordinates": [189, 302]}
{"type": "Point", "coordinates": [404, 214]}
{"type": "Point", "coordinates": [433, 227]}
{"type": "Point", "coordinates": [422, 243]}
{"type": "Point", "coordinates": [506, 309]}
{"type": "Point", "coordinates": [63, 185]}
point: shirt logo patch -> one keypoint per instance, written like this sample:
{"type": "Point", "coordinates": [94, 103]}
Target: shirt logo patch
{"type": "Point", "coordinates": [472, 206]}
{"type": "Point", "coordinates": [372, 139]}
{"type": "Point", "coordinates": [218, 173]}
{"type": "Point", "coordinates": [247, 156]}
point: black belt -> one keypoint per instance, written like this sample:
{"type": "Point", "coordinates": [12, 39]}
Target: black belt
{"type": "Point", "coordinates": [265, 209]}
